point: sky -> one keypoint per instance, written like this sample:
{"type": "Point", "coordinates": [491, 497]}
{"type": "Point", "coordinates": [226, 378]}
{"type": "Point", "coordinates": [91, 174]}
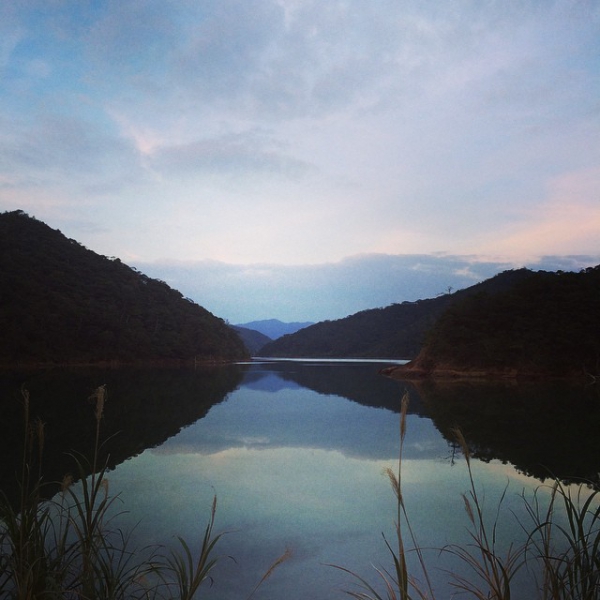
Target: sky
{"type": "Point", "coordinates": [307, 159]}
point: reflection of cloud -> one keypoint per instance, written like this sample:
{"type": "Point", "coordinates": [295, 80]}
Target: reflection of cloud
{"type": "Point", "coordinates": [300, 418]}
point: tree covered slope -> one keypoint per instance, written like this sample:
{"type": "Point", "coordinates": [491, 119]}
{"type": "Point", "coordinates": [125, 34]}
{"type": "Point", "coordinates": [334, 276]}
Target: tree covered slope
{"type": "Point", "coordinates": [62, 303]}
{"type": "Point", "coordinates": [547, 324]}
{"type": "Point", "coordinates": [397, 331]}
{"type": "Point", "coordinates": [253, 340]}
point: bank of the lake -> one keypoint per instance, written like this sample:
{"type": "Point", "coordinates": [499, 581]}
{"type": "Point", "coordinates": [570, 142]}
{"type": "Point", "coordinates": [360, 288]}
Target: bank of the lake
{"type": "Point", "coordinates": [428, 369]}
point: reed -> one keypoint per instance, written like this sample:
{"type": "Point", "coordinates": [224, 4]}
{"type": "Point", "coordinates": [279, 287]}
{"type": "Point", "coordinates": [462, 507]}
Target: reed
{"type": "Point", "coordinates": [565, 541]}
{"type": "Point", "coordinates": [189, 574]}
{"type": "Point", "coordinates": [561, 550]}
{"type": "Point", "coordinates": [64, 547]}
{"type": "Point", "coordinates": [492, 574]}
{"type": "Point", "coordinates": [397, 582]}
{"type": "Point", "coordinates": [68, 548]}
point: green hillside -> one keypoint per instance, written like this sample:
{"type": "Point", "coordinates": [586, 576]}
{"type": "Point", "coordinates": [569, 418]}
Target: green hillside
{"type": "Point", "coordinates": [253, 340]}
{"type": "Point", "coordinates": [547, 324]}
{"type": "Point", "coordinates": [397, 331]}
{"type": "Point", "coordinates": [62, 303]}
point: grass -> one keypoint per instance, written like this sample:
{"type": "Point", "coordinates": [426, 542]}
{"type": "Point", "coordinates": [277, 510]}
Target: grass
{"type": "Point", "coordinates": [68, 547]}
{"type": "Point", "coordinates": [566, 542]}
{"type": "Point", "coordinates": [561, 552]}
{"type": "Point", "coordinates": [397, 582]}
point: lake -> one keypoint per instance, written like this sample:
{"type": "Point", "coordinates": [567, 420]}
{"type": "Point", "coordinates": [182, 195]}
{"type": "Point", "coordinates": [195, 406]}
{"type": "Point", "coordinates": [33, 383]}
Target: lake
{"type": "Point", "coordinates": [296, 453]}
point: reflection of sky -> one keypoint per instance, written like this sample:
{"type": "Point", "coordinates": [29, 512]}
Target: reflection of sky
{"type": "Point", "coordinates": [298, 417]}
{"type": "Point", "coordinates": [304, 471]}
{"type": "Point", "coordinates": [325, 507]}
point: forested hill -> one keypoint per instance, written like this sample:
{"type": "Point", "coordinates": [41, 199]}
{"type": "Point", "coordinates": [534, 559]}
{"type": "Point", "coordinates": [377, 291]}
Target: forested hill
{"type": "Point", "coordinates": [397, 331]}
{"type": "Point", "coordinates": [547, 324]}
{"type": "Point", "coordinates": [61, 303]}
{"type": "Point", "coordinates": [253, 340]}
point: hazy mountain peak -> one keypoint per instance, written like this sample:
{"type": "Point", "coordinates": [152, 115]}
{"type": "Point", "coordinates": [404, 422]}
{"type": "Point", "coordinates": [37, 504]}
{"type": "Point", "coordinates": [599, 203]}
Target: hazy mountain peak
{"type": "Point", "coordinates": [274, 328]}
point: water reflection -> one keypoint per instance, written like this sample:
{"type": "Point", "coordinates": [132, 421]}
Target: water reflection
{"type": "Point", "coordinates": [356, 381]}
{"type": "Point", "coordinates": [544, 429]}
{"type": "Point", "coordinates": [144, 408]}
{"type": "Point", "coordinates": [300, 469]}
{"type": "Point", "coordinates": [541, 428]}
{"type": "Point", "coordinates": [296, 453]}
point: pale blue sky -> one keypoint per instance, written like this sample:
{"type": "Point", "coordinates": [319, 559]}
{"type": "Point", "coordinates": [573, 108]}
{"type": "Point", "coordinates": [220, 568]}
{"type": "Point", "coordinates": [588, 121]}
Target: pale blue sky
{"type": "Point", "coordinates": [307, 159]}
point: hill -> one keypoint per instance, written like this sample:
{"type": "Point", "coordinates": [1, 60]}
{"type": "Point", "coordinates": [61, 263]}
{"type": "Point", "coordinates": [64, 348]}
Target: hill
{"type": "Point", "coordinates": [397, 331]}
{"type": "Point", "coordinates": [273, 328]}
{"type": "Point", "coordinates": [253, 340]}
{"type": "Point", "coordinates": [545, 325]}
{"type": "Point", "coordinates": [62, 303]}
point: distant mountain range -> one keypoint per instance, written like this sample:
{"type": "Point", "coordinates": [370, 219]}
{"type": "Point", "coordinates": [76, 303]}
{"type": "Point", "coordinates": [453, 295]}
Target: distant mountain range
{"type": "Point", "coordinates": [273, 328]}
{"type": "Point", "coordinates": [61, 303]}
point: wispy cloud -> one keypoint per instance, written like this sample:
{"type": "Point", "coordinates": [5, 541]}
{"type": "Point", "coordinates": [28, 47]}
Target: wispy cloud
{"type": "Point", "coordinates": [304, 132]}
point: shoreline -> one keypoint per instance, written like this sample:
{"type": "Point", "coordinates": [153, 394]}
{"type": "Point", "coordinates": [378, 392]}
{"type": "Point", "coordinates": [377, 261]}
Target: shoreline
{"type": "Point", "coordinates": [414, 372]}
{"type": "Point", "coordinates": [117, 364]}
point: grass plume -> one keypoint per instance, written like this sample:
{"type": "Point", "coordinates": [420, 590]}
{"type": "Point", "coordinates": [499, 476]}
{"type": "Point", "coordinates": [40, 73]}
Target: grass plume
{"type": "Point", "coordinates": [398, 583]}
{"type": "Point", "coordinates": [67, 548]}
{"type": "Point", "coordinates": [564, 541]}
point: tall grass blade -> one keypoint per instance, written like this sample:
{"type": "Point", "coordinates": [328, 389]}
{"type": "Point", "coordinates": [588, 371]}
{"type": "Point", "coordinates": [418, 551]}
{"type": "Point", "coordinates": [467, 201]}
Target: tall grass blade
{"type": "Point", "coordinates": [401, 584]}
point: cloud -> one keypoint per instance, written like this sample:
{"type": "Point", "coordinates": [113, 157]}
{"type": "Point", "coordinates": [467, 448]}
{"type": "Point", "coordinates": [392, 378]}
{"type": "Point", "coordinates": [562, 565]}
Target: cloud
{"type": "Point", "coordinates": [248, 152]}
{"type": "Point", "coordinates": [303, 132]}
{"type": "Point", "coordinates": [567, 220]}
{"type": "Point", "coordinates": [242, 293]}
{"type": "Point", "coordinates": [61, 156]}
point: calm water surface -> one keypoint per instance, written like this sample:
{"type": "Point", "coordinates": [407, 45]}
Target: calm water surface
{"type": "Point", "coordinates": [296, 452]}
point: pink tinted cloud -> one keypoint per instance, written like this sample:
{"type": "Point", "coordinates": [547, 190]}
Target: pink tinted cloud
{"type": "Point", "coordinates": [567, 222]}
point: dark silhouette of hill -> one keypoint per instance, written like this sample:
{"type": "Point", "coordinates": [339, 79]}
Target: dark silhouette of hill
{"type": "Point", "coordinates": [546, 429]}
{"type": "Point", "coordinates": [145, 407]}
{"type": "Point", "coordinates": [397, 331]}
{"type": "Point", "coordinates": [546, 324]}
{"type": "Point", "coordinates": [61, 303]}
{"type": "Point", "coordinates": [274, 328]}
{"type": "Point", "coordinates": [253, 340]}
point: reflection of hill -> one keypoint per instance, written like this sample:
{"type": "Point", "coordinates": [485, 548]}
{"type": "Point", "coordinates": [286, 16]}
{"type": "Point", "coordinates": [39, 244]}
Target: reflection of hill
{"type": "Point", "coordinates": [358, 382]}
{"type": "Point", "coordinates": [144, 408]}
{"type": "Point", "coordinates": [262, 378]}
{"type": "Point", "coordinates": [543, 429]}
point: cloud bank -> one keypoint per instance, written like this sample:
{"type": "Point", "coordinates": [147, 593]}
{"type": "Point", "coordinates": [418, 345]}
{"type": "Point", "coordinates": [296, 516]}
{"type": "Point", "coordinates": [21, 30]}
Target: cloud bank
{"type": "Point", "coordinates": [243, 293]}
